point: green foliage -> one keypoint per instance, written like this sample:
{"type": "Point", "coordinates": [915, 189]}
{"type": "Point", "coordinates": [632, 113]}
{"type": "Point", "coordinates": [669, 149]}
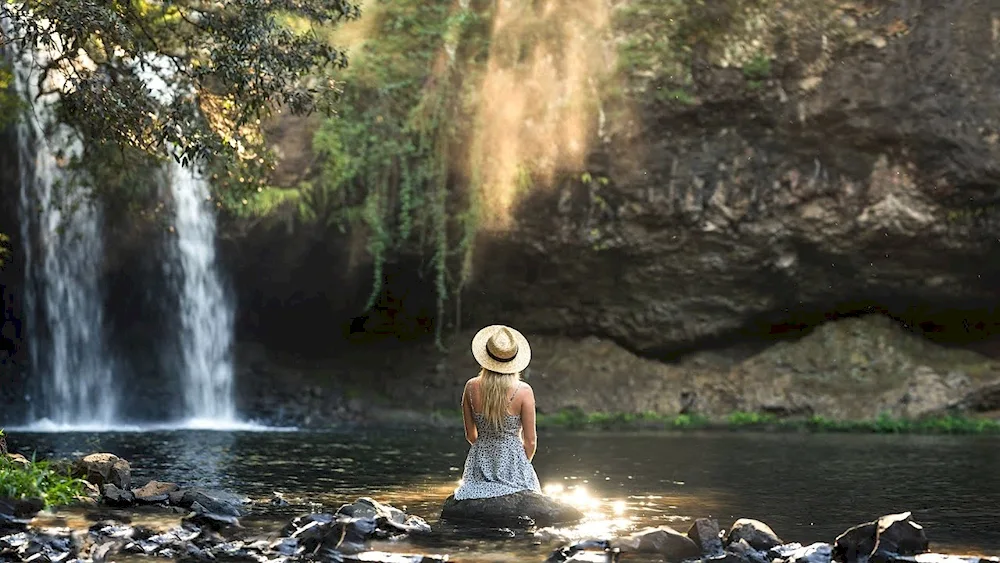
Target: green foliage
{"type": "Point", "coordinates": [386, 158]}
{"type": "Point", "coordinates": [758, 68]}
{"type": "Point", "coordinates": [4, 256]}
{"type": "Point", "coordinates": [11, 104]}
{"type": "Point", "coordinates": [883, 424]}
{"type": "Point", "coordinates": [240, 58]}
{"type": "Point", "coordinates": [39, 479]}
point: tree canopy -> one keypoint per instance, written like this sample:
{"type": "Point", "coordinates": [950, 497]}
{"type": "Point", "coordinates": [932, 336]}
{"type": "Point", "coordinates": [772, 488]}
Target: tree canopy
{"type": "Point", "coordinates": [226, 66]}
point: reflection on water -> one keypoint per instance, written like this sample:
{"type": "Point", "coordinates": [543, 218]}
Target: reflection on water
{"type": "Point", "coordinates": [807, 487]}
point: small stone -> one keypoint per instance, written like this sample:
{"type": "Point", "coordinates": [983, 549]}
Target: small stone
{"type": "Point", "coordinates": [154, 492]}
{"type": "Point", "coordinates": [878, 42]}
{"type": "Point", "coordinates": [115, 496]}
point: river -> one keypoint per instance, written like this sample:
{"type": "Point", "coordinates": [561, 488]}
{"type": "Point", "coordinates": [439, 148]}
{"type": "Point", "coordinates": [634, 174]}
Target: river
{"type": "Point", "coordinates": [807, 487]}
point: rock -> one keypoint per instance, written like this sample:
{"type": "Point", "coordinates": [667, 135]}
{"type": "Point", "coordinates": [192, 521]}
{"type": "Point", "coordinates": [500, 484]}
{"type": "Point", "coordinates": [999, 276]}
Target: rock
{"type": "Point", "coordinates": [899, 534]}
{"type": "Point", "coordinates": [664, 541]}
{"type": "Point", "coordinates": [209, 501]}
{"type": "Point", "coordinates": [18, 459]}
{"type": "Point", "coordinates": [814, 553]}
{"type": "Point", "coordinates": [705, 534]}
{"type": "Point", "coordinates": [892, 534]}
{"type": "Point", "coordinates": [510, 510]}
{"type": "Point", "coordinates": [15, 514]}
{"type": "Point", "coordinates": [154, 492]}
{"type": "Point", "coordinates": [596, 551]}
{"type": "Point", "coordinates": [278, 499]}
{"type": "Point", "coordinates": [856, 543]}
{"type": "Point", "coordinates": [386, 515]}
{"type": "Point", "coordinates": [741, 552]}
{"type": "Point", "coordinates": [756, 533]}
{"type": "Point", "coordinates": [104, 468]}
{"type": "Point", "coordinates": [114, 496]}
{"type": "Point", "coordinates": [203, 516]}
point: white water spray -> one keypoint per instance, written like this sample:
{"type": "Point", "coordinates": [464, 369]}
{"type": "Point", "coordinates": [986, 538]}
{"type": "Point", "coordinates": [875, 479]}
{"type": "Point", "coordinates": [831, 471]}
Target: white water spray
{"type": "Point", "coordinates": [63, 253]}
{"type": "Point", "coordinates": [206, 312]}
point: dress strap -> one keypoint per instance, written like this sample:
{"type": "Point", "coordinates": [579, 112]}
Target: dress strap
{"type": "Point", "coordinates": [516, 389]}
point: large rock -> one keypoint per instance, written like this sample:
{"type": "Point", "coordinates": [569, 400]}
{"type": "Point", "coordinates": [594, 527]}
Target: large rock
{"type": "Point", "coordinates": [705, 533]}
{"type": "Point", "coordinates": [510, 510]}
{"type": "Point", "coordinates": [757, 534]}
{"type": "Point", "coordinates": [155, 491]}
{"type": "Point", "coordinates": [664, 541]}
{"type": "Point", "coordinates": [104, 468]}
{"type": "Point", "coordinates": [889, 536]}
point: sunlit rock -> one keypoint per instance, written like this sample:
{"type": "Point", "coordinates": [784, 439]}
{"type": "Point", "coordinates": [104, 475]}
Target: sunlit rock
{"type": "Point", "coordinates": [895, 534]}
{"type": "Point", "coordinates": [104, 468]}
{"type": "Point", "coordinates": [517, 510]}
{"type": "Point", "coordinates": [756, 533]}
{"type": "Point", "coordinates": [664, 541]}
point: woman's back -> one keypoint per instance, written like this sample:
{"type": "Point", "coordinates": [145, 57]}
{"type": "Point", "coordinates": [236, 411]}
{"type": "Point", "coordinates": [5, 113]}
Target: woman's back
{"type": "Point", "coordinates": [499, 414]}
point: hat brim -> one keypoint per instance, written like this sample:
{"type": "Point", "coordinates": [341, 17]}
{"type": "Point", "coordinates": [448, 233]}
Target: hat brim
{"type": "Point", "coordinates": [517, 364]}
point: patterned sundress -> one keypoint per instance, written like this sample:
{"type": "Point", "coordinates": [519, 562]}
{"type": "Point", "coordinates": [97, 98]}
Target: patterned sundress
{"type": "Point", "coordinates": [496, 464]}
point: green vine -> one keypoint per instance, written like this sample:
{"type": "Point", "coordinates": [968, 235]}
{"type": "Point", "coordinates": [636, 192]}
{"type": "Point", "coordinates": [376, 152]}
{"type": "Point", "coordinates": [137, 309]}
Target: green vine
{"type": "Point", "coordinates": [386, 160]}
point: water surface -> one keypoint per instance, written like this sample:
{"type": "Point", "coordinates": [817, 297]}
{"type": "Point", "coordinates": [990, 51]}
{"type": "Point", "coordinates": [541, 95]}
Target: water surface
{"type": "Point", "coordinates": [808, 487]}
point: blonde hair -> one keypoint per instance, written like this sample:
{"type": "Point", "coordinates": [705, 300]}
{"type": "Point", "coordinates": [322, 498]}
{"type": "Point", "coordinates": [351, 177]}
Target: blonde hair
{"type": "Point", "coordinates": [496, 389]}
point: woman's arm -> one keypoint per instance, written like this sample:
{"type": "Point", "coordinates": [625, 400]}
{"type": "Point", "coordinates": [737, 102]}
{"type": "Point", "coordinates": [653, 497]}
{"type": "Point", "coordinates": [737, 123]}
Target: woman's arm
{"type": "Point", "coordinates": [528, 423]}
{"type": "Point", "coordinates": [471, 434]}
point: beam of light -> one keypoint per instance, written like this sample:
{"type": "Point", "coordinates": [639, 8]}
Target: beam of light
{"type": "Point", "coordinates": [538, 103]}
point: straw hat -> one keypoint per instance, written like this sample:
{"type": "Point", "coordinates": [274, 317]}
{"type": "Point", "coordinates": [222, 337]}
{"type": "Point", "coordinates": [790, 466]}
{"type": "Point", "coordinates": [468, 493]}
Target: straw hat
{"type": "Point", "coordinates": [501, 349]}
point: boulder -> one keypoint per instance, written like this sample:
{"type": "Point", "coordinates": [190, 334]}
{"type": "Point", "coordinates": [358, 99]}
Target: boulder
{"type": "Point", "coordinates": [103, 468]}
{"type": "Point", "coordinates": [705, 533]}
{"type": "Point", "coordinates": [664, 541]}
{"type": "Point", "coordinates": [899, 534]}
{"type": "Point", "coordinates": [518, 509]}
{"type": "Point", "coordinates": [892, 534]}
{"type": "Point", "coordinates": [757, 534]}
{"type": "Point", "coordinates": [209, 501]}
{"type": "Point", "coordinates": [154, 492]}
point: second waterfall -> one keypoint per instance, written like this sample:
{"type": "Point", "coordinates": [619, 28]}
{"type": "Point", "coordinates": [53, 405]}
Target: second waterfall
{"type": "Point", "coordinates": [205, 307]}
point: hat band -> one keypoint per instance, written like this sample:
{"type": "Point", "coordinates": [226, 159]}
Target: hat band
{"type": "Point", "coordinates": [498, 358]}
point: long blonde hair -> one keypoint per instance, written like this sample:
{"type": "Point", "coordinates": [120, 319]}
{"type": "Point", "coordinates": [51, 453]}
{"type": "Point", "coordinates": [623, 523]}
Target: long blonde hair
{"type": "Point", "coordinates": [496, 389]}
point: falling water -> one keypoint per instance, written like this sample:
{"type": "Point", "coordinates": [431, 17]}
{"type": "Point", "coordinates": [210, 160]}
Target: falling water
{"type": "Point", "coordinates": [63, 252]}
{"type": "Point", "coordinates": [206, 313]}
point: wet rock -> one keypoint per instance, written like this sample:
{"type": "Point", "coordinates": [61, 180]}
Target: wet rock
{"type": "Point", "coordinates": [899, 534]}
{"type": "Point", "coordinates": [742, 552]}
{"type": "Point", "coordinates": [104, 468]}
{"type": "Point", "coordinates": [940, 558]}
{"type": "Point", "coordinates": [856, 543]}
{"type": "Point", "coordinates": [41, 545]}
{"type": "Point", "coordinates": [114, 496]}
{"type": "Point", "coordinates": [203, 516]}
{"type": "Point", "coordinates": [705, 533]}
{"type": "Point", "coordinates": [795, 553]}
{"type": "Point", "coordinates": [892, 534]}
{"type": "Point", "coordinates": [154, 492]}
{"type": "Point", "coordinates": [15, 514]}
{"type": "Point", "coordinates": [756, 533]}
{"type": "Point", "coordinates": [343, 534]}
{"type": "Point", "coordinates": [595, 551]}
{"type": "Point", "coordinates": [209, 501]}
{"type": "Point", "coordinates": [278, 499]}
{"type": "Point", "coordinates": [386, 516]}
{"type": "Point", "coordinates": [510, 510]}
{"type": "Point", "coordinates": [664, 541]}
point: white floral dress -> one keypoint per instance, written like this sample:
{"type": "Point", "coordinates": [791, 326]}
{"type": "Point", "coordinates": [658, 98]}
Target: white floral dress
{"type": "Point", "coordinates": [496, 464]}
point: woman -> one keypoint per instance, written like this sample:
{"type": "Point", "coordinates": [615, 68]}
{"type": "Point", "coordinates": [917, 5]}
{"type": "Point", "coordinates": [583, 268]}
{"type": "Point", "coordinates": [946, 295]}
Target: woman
{"type": "Point", "coordinates": [499, 413]}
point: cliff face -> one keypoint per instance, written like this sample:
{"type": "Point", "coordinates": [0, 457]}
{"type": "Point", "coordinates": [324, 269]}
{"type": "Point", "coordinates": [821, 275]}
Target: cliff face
{"type": "Point", "coordinates": [862, 171]}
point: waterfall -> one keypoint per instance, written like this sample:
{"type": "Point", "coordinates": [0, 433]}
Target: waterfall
{"type": "Point", "coordinates": [63, 253]}
{"type": "Point", "coordinates": [206, 312]}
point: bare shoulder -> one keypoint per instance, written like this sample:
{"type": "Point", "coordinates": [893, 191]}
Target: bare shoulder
{"type": "Point", "coordinates": [526, 389]}
{"type": "Point", "coordinates": [472, 383]}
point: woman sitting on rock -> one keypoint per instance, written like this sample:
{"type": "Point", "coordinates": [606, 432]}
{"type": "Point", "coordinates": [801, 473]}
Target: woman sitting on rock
{"type": "Point", "coordinates": [499, 413]}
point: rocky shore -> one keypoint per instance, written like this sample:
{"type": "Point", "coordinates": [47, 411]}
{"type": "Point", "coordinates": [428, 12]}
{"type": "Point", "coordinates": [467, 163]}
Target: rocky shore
{"type": "Point", "coordinates": [208, 528]}
{"type": "Point", "coordinates": [851, 369]}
